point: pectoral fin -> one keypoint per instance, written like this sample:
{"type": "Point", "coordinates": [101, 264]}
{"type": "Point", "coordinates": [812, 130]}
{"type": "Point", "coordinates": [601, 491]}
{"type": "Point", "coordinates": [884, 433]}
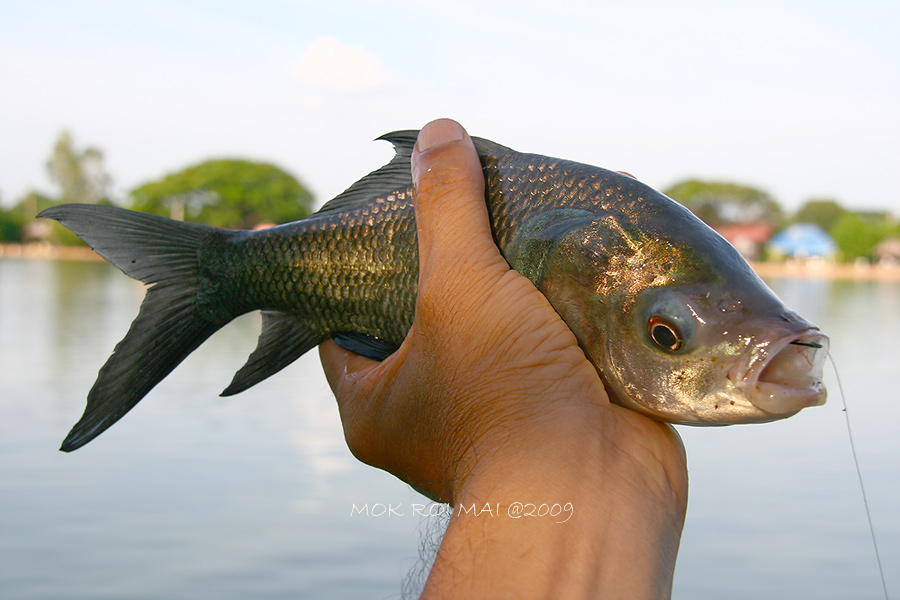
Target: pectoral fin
{"type": "Point", "coordinates": [365, 345]}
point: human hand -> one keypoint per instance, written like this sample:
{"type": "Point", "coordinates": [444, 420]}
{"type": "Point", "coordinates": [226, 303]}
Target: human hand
{"type": "Point", "coordinates": [490, 399]}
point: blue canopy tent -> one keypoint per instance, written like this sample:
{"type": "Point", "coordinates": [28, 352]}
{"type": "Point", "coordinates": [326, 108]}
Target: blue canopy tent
{"type": "Point", "coordinates": [802, 240]}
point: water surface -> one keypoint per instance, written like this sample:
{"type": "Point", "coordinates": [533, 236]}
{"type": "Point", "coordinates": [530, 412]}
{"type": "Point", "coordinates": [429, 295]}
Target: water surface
{"type": "Point", "coordinates": [196, 496]}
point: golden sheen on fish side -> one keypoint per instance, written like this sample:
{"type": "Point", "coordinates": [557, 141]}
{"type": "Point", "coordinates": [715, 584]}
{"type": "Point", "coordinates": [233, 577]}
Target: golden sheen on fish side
{"type": "Point", "coordinates": [677, 324]}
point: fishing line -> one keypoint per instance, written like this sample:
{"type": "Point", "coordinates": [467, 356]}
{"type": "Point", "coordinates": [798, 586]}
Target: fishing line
{"type": "Point", "coordinates": [859, 475]}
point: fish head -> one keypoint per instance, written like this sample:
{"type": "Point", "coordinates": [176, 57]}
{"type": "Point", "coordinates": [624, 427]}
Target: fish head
{"type": "Point", "coordinates": [701, 355]}
{"type": "Point", "coordinates": [684, 332]}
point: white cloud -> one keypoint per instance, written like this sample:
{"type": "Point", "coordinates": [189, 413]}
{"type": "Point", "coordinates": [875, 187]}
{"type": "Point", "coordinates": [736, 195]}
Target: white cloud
{"type": "Point", "coordinates": [329, 63]}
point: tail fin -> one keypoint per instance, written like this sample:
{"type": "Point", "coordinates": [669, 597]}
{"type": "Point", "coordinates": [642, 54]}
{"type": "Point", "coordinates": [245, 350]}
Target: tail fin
{"type": "Point", "coordinates": [172, 321]}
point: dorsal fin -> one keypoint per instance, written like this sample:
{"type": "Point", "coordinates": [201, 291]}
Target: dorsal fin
{"type": "Point", "coordinates": [393, 176]}
{"type": "Point", "coordinates": [389, 178]}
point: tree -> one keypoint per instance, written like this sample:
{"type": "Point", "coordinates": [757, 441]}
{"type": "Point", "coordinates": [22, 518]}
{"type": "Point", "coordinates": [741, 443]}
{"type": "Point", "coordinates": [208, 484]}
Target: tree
{"type": "Point", "coordinates": [10, 227]}
{"type": "Point", "coordinates": [721, 203]}
{"type": "Point", "coordinates": [821, 211]}
{"type": "Point", "coordinates": [226, 193]}
{"type": "Point", "coordinates": [857, 234]}
{"type": "Point", "coordinates": [21, 225]}
{"type": "Point", "coordinates": [11, 223]}
{"type": "Point", "coordinates": [79, 174]}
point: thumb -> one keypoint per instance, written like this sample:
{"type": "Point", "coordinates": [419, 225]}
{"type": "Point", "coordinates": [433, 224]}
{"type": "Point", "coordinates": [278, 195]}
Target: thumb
{"type": "Point", "coordinates": [452, 222]}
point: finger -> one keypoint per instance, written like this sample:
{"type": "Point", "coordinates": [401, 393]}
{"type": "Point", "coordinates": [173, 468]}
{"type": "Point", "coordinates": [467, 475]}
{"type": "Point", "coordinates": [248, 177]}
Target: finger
{"type": "Point", "coordinates": [451, 216]}
{"type": "Point", "coordinates": [338, 364]}
{"type": "Point", "coordinates": [361, 386]}
{"type": "Point", "coordinates": [344, 369]}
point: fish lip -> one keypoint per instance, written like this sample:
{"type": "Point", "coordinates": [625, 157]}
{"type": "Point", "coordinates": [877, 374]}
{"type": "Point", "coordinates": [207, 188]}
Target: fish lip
{"type": "Point", "coordinates": [777, 394]}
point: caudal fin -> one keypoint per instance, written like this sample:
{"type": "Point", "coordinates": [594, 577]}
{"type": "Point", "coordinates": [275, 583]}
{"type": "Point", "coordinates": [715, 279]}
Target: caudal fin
{"type": "Point", "coordinates": [172, 321]}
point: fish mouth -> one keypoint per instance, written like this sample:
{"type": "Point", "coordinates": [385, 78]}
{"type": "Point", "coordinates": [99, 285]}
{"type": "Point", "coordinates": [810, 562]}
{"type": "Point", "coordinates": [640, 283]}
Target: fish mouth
{"type": "Point", "coordinates": [785, 375]}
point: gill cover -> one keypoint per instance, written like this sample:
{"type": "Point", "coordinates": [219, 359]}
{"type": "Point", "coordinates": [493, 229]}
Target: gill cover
{"type": "Point", "coordinates": [529, 249]}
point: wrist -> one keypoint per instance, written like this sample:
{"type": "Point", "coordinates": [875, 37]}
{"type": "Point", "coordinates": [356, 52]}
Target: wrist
{"type": "Point", "coordinates": [577, 514]}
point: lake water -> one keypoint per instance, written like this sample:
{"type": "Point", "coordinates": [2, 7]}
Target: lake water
{"type": "Point", "coordinates": [196, 496]}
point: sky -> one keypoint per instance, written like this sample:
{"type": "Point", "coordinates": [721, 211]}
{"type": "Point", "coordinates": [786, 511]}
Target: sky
{"type": "Point", "coordinates": [800, 98]}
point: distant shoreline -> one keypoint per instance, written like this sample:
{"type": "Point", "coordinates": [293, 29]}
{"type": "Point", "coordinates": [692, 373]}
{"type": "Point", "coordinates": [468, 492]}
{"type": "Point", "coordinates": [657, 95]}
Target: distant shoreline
{"type": "Point", "coordinates": [807, 270]}
{"type": "Point", "coordinates": [825, 270]}
{"type": "Point", "coordinates": [42, 251]}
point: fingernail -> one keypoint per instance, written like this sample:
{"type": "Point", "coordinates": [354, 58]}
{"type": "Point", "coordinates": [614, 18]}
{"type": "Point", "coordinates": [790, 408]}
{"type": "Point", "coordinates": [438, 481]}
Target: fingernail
{"type": "Point", "coordinates": [436, 133]}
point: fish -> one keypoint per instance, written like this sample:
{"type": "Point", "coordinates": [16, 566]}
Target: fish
{"type": "Point", "coordinates": [675, 321]}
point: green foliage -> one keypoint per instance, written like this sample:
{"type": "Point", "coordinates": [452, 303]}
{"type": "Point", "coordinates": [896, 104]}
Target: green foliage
{"type": "Point", "coordinates": [226, 193]}
{"type": "Point", "coordinates": [823, 212]}
{"type": "Point", "coordinates": [722, 203]}
{"type": "Point", "coordinates": [79, 174]}
{"type": "Point", "coordinates": [34, 202]}
{"type": "Point", "coordinates": [857, 234]}
{"type": "Point", "coordinates": [81, 178]}
{"type": "Point", "coordinates": [29, 229]}
{"type": "Point", "coordinates": [62, 236]}
{"type": "Point", "coordinates": [11, 224]}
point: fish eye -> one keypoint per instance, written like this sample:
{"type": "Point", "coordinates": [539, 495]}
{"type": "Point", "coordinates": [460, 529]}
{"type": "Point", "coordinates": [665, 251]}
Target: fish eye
{"type": "Point", "coordinates": [665, 334]}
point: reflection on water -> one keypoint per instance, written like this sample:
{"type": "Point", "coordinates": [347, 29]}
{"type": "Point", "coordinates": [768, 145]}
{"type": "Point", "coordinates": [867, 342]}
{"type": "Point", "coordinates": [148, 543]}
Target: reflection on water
{"type": "Point", "coordinates": [193, 495]}
{"type": "Point", "coordinates": [190, 495]}
{"type": "Point", "coordinates": [776, 509]}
